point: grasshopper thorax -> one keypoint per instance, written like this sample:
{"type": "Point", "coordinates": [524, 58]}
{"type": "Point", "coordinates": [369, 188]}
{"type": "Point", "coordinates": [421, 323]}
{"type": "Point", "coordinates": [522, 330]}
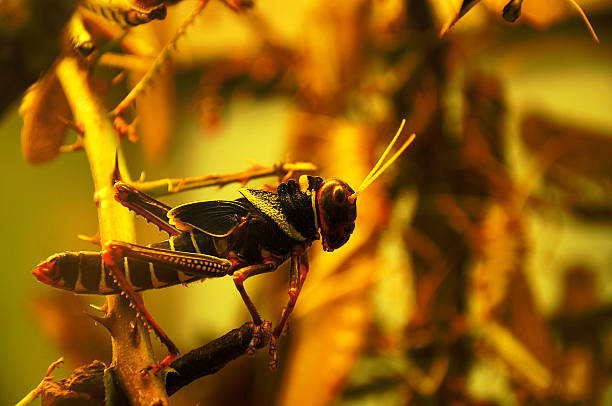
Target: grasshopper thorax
{"type": "Point", "coordinates": [336, 213]}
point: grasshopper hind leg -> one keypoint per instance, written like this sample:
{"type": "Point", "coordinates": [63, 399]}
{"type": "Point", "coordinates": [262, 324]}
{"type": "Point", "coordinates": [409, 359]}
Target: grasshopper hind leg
{"type": "Point", "coordinates": [195, 264]}
{"type": "Point", "coordinates": [145, 206]}
{"type": "Point", "coordinates": [135, 300]}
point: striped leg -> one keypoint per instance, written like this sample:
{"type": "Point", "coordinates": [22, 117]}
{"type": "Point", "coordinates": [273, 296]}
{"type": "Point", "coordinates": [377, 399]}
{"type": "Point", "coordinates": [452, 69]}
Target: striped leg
{"type": "Point", "coordinates": [201, 265]}
{"type": "Point", "coordinates": [145, 206]}
{"type": "Point", "coordinates": [297, 276]}
{"type": "Point", "coordinates": [196, 264]}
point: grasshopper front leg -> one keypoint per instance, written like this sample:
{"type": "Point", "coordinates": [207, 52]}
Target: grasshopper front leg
{"type": "Point", "coordinates": [297, 276]}
{"type": "Point", "coordinates": [191, 263]}
{"type": "Point", "coordinates": [261, 327]}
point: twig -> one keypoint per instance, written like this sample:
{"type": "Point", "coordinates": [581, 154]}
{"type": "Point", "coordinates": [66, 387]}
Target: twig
{"type": "Point", "coordinates": [160, 59]}
{"type": "Point", "coordinates": [84, 386]}
{"type": "Point", "coordinates": [34, 393]}
{"type": "Point", "coordinates": [200, 362]}
{"type": "Point", "coordinates": [135, 63]}
{"type": "Point", "coordinates": [211, 357]}
{"type": "Point", "coordinates": [130, 342]}
{"type": "Point", "coordinates": [167, 186]}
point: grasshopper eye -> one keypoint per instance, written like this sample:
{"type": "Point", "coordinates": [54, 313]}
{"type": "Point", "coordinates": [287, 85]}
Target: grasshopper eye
{"type": "Point", "coordinates": [339, 195]}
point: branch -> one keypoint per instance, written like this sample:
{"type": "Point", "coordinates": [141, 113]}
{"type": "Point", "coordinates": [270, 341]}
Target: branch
{"type": "Point", "coordinates": [211, 357]}
{"type": "Point", "coordinates": [87, 383]}
{"type": "Point", "coordinates": [167, 186]}
{"type": "Point", "coordinates": [131, 344]}
{"type": "Point", "coordinates": [84, 386]}
{"type": "Point", "coordinates": [159, 61]}
{"type": "Point", "coordinates": [34, 393]}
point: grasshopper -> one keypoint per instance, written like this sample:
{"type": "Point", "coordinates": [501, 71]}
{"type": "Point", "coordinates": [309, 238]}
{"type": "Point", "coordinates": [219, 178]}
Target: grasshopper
{"type": "Point", "coordinates": [248, 236]}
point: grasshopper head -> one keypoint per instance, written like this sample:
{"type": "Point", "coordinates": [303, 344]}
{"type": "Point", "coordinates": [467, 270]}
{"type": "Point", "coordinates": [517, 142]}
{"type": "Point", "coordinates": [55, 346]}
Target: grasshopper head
{"type": "Point", "coordinates": [337, 202]}
{"type": "Point", "coordinates": [337, 213]}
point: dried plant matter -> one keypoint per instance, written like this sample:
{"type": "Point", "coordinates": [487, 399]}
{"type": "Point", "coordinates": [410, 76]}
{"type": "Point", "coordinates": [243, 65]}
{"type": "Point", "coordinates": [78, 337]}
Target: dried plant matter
{"type": "Point", "coordinates": [90, 384]}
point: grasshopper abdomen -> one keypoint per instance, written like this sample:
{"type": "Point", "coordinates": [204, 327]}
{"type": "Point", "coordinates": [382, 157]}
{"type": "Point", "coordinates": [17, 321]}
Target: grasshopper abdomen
{"type": "Point", "coordinates": [85, 272]}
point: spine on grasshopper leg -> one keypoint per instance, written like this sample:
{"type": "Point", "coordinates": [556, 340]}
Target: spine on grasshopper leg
{"type": "Point", "coordinates": [85, 273]}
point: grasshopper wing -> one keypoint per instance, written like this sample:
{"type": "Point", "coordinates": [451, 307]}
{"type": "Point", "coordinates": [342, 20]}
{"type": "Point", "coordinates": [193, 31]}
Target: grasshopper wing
{"type": "Point", "coordinates": [214, 217]}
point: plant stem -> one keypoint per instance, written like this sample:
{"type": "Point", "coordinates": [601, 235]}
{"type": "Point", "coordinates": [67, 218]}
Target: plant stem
{"type": "Point", "coordinates": [130, 342]}
{"type": "Point", "coordinates": [167, 186]}
{"type": "Point", "coordinates": [160, 59]}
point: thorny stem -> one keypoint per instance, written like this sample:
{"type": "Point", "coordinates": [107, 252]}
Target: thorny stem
{"type": "Point", "coordinates": [125, 61]}
{"type": "Point", "coordinates": [167, 186]}
{"type": "Point", "coordinates": [130, 342]}
{"type": "Point", "coordinates": [211, 357]}
{"type": "Point", "coordinates": [200, 362]}
{"type": "Point", "coordinates": [159, 61]}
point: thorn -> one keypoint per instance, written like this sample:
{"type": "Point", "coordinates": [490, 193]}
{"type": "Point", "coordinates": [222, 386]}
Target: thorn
{"type": "Point", "coordinates": [118, 78]}
{"type": "Point", "coordinates": [116, 175]}
{"type": "Point", "coordinates": [102, 309]}
{"type": "Point", "coordinates": [94, 239]}
{"type": "Point", "coordinates": [134, 333]}
{"type": "Point", "coordinates": [105, 321]}
{"type": "Point", "coordinates": [53, 366]}
{"type": "Point", "coordinates": [70, 124]}
{"type": "Point", "coordinates": [76, 146]}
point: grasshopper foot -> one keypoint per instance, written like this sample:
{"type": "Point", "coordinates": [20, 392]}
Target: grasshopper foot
{"type": "Point", "coordinates": [261, 336]}
{"type": "Point", "coordinates": [273, 364]}
{"type": "Point", "coordinates": [157, 368]}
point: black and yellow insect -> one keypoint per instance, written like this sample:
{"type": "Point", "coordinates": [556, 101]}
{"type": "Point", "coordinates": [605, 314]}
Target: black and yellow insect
{"type": "Point", "coordinates": [248, 236]}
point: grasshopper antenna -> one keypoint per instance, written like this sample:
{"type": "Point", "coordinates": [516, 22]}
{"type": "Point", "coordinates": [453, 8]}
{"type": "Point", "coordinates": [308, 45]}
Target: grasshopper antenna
{"type": "Point", "coordinates": [381, 166]}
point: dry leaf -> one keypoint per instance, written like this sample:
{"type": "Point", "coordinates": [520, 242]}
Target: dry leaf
{"type": "Point", "coordinates": [583, 166]}
{"type": "Point", "coordinates": [44, 107]}
{"type": "Point", "coordinates": [155, 109]}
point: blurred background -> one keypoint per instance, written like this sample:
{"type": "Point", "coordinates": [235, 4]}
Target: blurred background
{"type": "Point", "coordinates": [479, 270]}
